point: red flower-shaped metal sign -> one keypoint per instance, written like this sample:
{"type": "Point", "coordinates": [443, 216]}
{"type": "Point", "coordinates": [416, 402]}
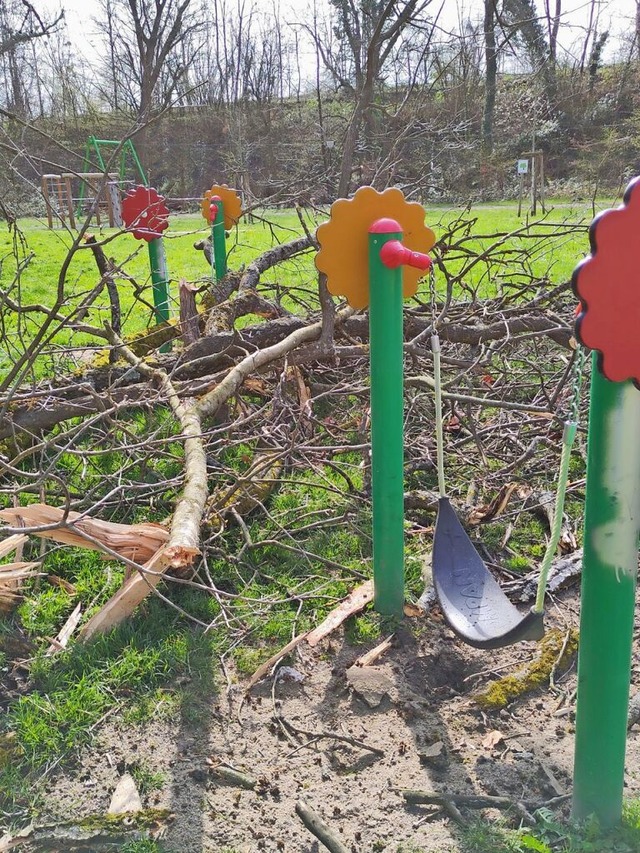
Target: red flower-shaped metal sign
{"type": "Point", "coordinates": [608, 286]}
{"type": "Point", "coordinates": [145, 213]}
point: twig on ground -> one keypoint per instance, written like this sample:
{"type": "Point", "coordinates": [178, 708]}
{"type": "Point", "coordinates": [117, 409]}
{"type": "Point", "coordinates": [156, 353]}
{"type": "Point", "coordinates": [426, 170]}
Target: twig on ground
{"type": "Point", "coordinates": [322, 831]}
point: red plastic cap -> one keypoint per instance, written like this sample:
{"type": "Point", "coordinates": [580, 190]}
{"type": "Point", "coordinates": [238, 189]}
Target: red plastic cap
{"type": "Point", "coordinates": [393, 254]}
{"type": "Point", "coordinates": [385, 226]}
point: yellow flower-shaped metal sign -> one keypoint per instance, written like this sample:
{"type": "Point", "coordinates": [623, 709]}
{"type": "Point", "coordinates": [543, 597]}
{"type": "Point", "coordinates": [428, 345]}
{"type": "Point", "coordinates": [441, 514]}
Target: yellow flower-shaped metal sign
{"type": "Point", "coordinates": [344, 241]}
{"type": "Point", "coordinates": [230, 201]}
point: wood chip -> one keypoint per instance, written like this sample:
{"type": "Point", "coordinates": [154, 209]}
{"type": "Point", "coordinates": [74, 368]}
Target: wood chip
{"type": "Point", "coordinates": [128, 597]}
{"type": "Point", "coordinates": [492, 739]}
{"type": "Point", "coordinates": [125, 798]}
{"type": "Point", "coordinates": [11, 543]}
{"type": "Point", "coordinates": [267, 666]}
{"type": "Point", "coordinates": [66, 631]}
{"type": "Point", "coordinates": [370, 657]}
{"type": "Point", "coordinates": [353, 603]}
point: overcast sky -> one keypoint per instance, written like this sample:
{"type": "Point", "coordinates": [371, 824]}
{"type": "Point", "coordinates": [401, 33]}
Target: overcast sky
{"type": "Point", "coordinates": [615, 15]}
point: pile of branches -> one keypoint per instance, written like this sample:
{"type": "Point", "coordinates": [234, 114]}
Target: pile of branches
{"type": "Point", "coordinates": [286, 395]}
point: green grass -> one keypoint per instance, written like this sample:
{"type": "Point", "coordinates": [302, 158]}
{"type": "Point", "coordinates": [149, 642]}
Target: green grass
{"type": "Point", "coordinates": [144, 845]}
{"type": "Point", "coordinates": [529, 250]}
{"type": "Point", "coordinates": [271, 591]}
{"type": "Point", "coordinates": [123, 669]}
{"type": "Point", "coordinates": [43, 251]}
{"type": "Point", "coordinates": [551, 835]}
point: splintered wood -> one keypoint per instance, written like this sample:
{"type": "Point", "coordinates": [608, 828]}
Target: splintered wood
{"type": "Point", "coordinates": [144, 543]}
{"type": "Point", "coordinates": [137, 542]}
{"type": "Point", "coordinates": [13, 574]}
{"type": "Point", "coordinates": [356, 601]}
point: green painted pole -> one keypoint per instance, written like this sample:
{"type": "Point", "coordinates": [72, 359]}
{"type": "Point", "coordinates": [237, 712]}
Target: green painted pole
{"type": "Point", "coordinates": [387, 450]}
{"type": "Point", "coordinates": [160, 283]}
{"type": "Point", "coordinates": [610, 561]}
{"type": "Point", "coordinates": [218, 242]}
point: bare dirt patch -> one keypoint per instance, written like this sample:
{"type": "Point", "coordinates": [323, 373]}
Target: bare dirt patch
{"type": "Point", "coordinates": [318, 741]}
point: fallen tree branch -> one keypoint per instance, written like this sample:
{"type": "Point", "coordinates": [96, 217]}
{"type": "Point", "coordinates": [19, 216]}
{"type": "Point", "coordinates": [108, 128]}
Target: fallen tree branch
{"type": "Point", "coordinates": [212, 353]}
{"type": "Point", "coordinates": [209, 404]}
{"type": "Point", "coordinates": [322, 831]}
{"type": "Point", "coordinates": [315, 736]}
{"type": "Point", "coordinates": [452, 802]}
{"type": "Point", "coordinates": [184, 537]}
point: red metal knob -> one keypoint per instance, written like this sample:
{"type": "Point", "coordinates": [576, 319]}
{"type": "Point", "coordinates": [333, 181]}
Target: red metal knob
{"type": "Point", "coordinates": [393, 254]}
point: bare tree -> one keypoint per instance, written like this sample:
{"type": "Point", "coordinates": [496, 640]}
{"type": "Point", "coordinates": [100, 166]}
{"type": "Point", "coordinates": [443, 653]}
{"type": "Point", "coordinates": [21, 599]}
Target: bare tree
{"type": "Point", "coordinates": [491, 74]}
{"type": "Point", "coordinates": [143, 39]}
{"type": "Point", "coordinates": [520, 16]}
{"type": "Point", "coordinates": [20, 24]}
{"type": "Point", "coordinates": [366, 32]}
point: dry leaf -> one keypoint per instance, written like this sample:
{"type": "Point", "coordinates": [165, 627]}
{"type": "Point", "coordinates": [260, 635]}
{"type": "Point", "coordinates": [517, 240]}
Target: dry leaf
{"type": "Point", "coordinates": [496, 507]}
{"type": "Point", "coordinates": [492, 739]}
{"type": "Point", "coordinates": [414, 611]}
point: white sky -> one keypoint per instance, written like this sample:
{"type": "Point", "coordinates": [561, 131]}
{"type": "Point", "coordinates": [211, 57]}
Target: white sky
{"type": "Point", "coordinates": [615, 15]}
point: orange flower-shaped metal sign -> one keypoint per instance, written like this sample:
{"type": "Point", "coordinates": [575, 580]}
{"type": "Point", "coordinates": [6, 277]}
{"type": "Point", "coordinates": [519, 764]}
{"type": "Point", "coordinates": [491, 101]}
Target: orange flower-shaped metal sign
{"type": "Point", "coordinates": [344, 241]}
{"type": "Point", "coordinates": [608, 286]}
{"type": "Point", "coordinates": [230, 200]}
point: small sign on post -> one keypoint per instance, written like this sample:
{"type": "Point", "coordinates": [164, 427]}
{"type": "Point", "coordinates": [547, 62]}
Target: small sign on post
{"type": "Point", "coordinates": [523, 167]}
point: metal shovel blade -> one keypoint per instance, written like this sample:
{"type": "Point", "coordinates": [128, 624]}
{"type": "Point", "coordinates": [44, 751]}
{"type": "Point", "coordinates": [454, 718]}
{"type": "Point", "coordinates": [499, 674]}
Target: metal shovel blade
{"type": "Point", "coordinates": [473, 604]}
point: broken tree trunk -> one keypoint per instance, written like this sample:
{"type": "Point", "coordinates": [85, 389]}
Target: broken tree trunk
{"type": "Point", "coordinates": [135, 542]}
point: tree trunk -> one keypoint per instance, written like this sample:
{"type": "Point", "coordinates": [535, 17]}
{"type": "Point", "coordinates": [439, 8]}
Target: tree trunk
{"type": "Point", "coordinates": [491, 61]}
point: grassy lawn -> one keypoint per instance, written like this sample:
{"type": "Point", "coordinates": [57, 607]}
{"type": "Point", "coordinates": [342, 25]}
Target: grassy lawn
{"type": "Point", "coordinates": [553, 243]}
{"type": "Point", "coordinates": [264, 591]}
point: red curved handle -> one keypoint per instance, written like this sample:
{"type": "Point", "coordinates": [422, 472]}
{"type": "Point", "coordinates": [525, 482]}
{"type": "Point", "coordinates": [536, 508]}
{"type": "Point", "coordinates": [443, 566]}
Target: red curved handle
{"type": "Point", "coordinates": [393, 254]}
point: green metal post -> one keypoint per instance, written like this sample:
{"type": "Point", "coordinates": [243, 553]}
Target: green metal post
{"type": "Point", "coordinates": [131, 148]}
{"type": "Point", "coordinates": [160, 283]}
{"type": "Point", "coordinates": [610, 561]}
{"type": "Point", "coordinates": [386, 338]}
{"type": "Point", "coordinates": [218, 242]}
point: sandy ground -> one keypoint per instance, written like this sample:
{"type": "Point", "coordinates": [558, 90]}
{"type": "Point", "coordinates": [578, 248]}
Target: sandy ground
{"type": "Point", "coordinates": [415, 708]}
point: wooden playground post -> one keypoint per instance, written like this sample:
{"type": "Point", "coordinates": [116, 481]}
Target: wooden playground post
{"type": "Point", "coordinates": [69, 199]}
{"type": "Point", "coordinates": [536, 169]}
{"type": "Point", "coordinates": [47, 200]}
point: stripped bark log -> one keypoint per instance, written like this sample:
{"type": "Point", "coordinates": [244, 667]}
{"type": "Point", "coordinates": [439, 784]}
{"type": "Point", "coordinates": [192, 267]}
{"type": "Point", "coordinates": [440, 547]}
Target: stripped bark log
{"type": "Point", "coordinates": [184, 537]}
{"type": "Point", "coordinates": [189, 321]}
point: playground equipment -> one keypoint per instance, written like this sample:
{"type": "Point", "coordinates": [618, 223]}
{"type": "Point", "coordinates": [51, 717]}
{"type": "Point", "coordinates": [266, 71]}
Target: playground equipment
{"type": "Point", "coordinates": [146, 215]}
{"type": "Point", "coordinates": [61, 200]}
{"type": "Point", "coordinates": [70, 195]}
{"type": "Point", "coordinates": [128, 161]}
{"type": "Point", "coordinates": [360, 246]}
{"type": "Point", "coordinates": [608, 286]}
{"type": "Point", "coordinates": [473, 604]}
{"type": "Point", "coordinates": [222, 208]}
